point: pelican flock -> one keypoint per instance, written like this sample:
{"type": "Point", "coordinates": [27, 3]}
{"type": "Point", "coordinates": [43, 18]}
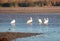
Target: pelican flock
{"type": "Point", "coordinates": [46, 20]}
{"type": "Point", "coordinates": [29, 21]}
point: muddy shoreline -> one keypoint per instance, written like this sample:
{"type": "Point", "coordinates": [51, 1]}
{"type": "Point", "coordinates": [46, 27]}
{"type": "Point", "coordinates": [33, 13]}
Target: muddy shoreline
{"type": "Point", "coordinates": [13, 35]}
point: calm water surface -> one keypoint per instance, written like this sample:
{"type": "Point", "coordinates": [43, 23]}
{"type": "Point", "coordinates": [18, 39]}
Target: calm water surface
{"type": "Point", "coordinates": [51, 32]}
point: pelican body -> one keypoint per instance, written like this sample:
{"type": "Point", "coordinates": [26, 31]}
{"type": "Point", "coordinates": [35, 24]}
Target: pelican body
{"type": "Point", "coordinates": [30, 21]}
{"type": "Point", "coordinates": [39, 21]}
{"type": "Point", "coordinates": [46, 21]}
{"type": "Point", "coordinates": [12, 22]}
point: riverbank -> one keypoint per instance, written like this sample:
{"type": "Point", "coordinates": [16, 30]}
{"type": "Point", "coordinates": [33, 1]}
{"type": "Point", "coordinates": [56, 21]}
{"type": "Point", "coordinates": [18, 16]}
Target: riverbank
{"type": "Point", "coordinates": [13, 35]}
{"type": "Point", "coordinates": [30, 10]}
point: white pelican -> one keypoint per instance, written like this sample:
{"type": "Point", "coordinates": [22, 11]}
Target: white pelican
{"type": "Point", "coordinates": [46, 21]}
{"type": "Point", "coordinates": [39, 21]}
{"type": "Point", "coordinates": [12, 22]}
{"type": "Point", "coordinates": [30, 21]}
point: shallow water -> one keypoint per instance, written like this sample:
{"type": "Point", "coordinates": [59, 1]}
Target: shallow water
{"type": "Point", "coordinates": [51, 32]}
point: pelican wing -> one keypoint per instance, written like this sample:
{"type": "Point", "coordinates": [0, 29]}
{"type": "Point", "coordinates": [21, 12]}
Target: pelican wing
{"type": "Point", "coordinates": [39, 20]}
{"type": "Point", "coordinates": [29, 21]}
{"type": "Point", "coordinates": [13, 21]}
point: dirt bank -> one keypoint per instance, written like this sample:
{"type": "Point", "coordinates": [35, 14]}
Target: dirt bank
{"type": "Point", "coordinates": [13, 35]}
{"type": "Point", "coordinates": [30, 10]}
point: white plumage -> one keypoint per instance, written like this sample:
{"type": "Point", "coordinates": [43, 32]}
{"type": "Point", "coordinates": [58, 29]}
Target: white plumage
{"type": "Point", "coordinates": [12, 22]}
{"type": "Point", "coordinates": [39, 21]}
{"type": "Point", "coordinates": [46, 21]}
{"type": "Point", "coordinates": [29, 21]}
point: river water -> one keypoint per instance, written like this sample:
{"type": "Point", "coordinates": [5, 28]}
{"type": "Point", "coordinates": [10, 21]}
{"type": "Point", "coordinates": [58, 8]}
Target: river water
{"type": "Point", "coordinates": [51, 32]}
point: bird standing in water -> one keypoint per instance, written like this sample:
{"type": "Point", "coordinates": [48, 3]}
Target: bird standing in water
{"type": "Point", "coordinates": [30, 21]}
{"type": "Point", "coordinates": [46, 20]}
{"type": "Point", "coordinates": [40, 21]}
{"type": "Point", "coordinates": [12, 22]}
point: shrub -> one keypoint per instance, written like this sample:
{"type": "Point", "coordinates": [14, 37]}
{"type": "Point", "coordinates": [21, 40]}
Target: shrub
{"type": "Point", "coordinates": [5, 5]}
{"type": "Point", "coordinates": [23, 4]}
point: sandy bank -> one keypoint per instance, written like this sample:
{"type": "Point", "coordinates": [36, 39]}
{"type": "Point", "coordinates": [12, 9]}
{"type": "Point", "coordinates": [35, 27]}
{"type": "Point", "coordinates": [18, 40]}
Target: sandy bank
{"type": "Point", "coordinates": [14, 35]}
{"type": "Point", "coordinates": [30, 10]}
